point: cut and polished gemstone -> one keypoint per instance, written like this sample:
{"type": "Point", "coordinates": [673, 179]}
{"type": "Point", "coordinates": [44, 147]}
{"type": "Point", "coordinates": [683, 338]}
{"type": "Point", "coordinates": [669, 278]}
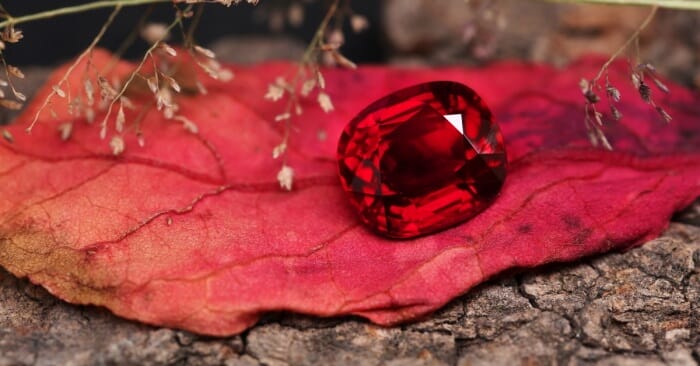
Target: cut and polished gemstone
{"type": "Point", "coordinates": [422, 159]}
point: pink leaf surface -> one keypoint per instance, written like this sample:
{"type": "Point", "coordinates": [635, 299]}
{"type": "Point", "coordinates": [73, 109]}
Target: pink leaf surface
{"type": "Point", "coordinates": [192, 231]}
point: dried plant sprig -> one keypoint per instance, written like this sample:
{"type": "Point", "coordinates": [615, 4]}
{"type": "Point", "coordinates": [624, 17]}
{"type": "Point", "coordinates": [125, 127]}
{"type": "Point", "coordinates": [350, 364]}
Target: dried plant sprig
{"type": "Point", "coordinates": [593, 119]}
{"type": "Point", "coordinates": [119, 96]}
{"type": "Point", "coordinates": [11, 72]}
{"type": "Point", "coordinates": [95, 5]}
{"type": "Point", "coordinates": [639, 74]}
{"type": "Point", "coordinates": [113, 93]}
{"type": "Point", "coordinates": [670, 4]}
{"type": "Point", "coordinates": [57, 88]}
{"type": "Point", "coordinates": [632, 38]}
{"type": "Point", "coordinates": [307, 78]}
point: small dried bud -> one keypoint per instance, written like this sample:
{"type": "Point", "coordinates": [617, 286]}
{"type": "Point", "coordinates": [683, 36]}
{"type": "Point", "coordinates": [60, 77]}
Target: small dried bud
{"type": "Point", "coordinates": [65, 130]}
{"type": "Point", "coordinates": [603, 140]}
{"type": "Point", "coordinates": [592, 97]}
{"type": "Point", "coordinates": [169, 50]}
{"type": "Point", "coordinates": [598, 118]}
{"type": "Point", "coordinates": [121, 119]}
{"type": "Point", "coordinates": [636, 80]}
{"type": "Point", "coordinates": [336, 38]}
{"type": "Point", "coordinates": [307, 87]}
{"type": "Point", "coordinates": [285, 177]}
{"type": "Point", "coordinates": [89, 92]}
{"type": "Point", "coordinates": [152, 84]}
{"type": "Point", "coordinates": [667, 117]}
{"type": "Point", "coordinates": [187, 124]}
{"type": "Point", "coordinates": [154, 32]}
{"type": "Point", "coordinates": [7, 136]}
{"type": "Point", "coordinates": [282, 116]}
{"type": "Point", "coordinates": [103, 131]}
{"type": "Point", "coordinates": [75, 107]}
{"type": "Point", "coordinates": [324, 100]}
{"type": "Point", "coordinates": [205, 52]}
{"type": "Point", "coordinates": [585, 85]}
{"type": "Point", "coordinates": [107, 92]}
{"type": "Point", "coordinates": [274, 92]}
{"type": "Point", "coordinates": [186, 14]}
{"type": "Point", "coordinates": [320, 79]}
{"type": "Point", "coordinates": [225, 75]}
{"type": "Point", "coordinates": [89, 115]}
{"type": "Point", "coordinates": [19, 96]}
{"type": "Point", "coordinates": [128, 104]}
{"type": "Point", "coordinates": [661, 85]}
{"type": "Point", "coordinates": [10, 104]}
{"type": "Point", "coordinates": [117, 145]}
{"type": "Point", "coordinates": [11, 35]}
{"type": "Point", "coordinates": [201, 88]}
{"type": "Point", "coordinates": [649, 67]}
{"type": "Point", "coordinates": [173, 84]}
{"type": "Point", "coordinates": [358, 23]}
{"type": "Point", "coordinates": [587, 91]}
{"type": "Point", "coordinates": [169, 112]}
{"type": "Point", "coordinates": [644, 91]}
{"type": "Point", "coordinates": [613, 93]}
{"type": "Point", "coordinates": [295, 14]}
{"type": "Point", "coordinates": [343, 61]}
{"type": "Point", "coordinates": [615, 113]}
{"type": "Point", "coordinates": [15, 71]}
{"type": "Point", "coordinates": [164, 99]}
{"type": "Point", "coordinates": [59, 91]}
{"type": "Point", "coordinates": [279, 150]}
{"type": "Point", "coordinates": [329, 47]}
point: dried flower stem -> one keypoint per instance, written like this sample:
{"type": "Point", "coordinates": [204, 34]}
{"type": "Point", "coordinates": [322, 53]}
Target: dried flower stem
{"type": "Point", "coordinates": [593, 118]}
{"type": "Point", "coordinates": [132, 76]}
{"type": "Point", "coordinates": [306, 59]}
{"type": "Point", "coordinates": [76, 9]}
{"type": "Point", "coordinates": [196, 19]}
{"type": "Point", "coordinates": [87, 51]}
{"type": "Point", "coordinates": [131, 38]}
{"type": "Point", "coordinates": [671, 4]}
{"type": "Point", "coordinates": [633, 38]}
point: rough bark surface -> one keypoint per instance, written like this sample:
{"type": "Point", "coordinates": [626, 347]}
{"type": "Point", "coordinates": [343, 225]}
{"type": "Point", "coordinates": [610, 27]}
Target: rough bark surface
{"type": "Point", "coordinates": [637, 308]}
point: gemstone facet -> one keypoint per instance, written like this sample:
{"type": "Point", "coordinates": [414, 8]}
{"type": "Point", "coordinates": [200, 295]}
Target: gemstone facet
{"type": "Point", "coordinates": [422, 159]}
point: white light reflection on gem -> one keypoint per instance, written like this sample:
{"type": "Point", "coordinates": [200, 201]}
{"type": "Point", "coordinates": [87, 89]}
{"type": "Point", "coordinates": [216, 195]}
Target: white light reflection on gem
{"type": "Point", "coordinates": [456, 121]}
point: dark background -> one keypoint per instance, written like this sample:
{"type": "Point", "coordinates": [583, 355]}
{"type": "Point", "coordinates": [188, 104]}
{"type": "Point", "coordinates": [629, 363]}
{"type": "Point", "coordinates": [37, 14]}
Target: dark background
{"type": "Point", "coordinates": [52, 40]}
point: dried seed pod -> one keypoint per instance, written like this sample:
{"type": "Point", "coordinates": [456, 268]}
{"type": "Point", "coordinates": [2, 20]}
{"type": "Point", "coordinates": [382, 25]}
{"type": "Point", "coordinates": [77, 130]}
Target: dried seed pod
{"type": "Point", "coordinates": [613, 93]}
{"type": "Point", "coordinates": [644, 91]}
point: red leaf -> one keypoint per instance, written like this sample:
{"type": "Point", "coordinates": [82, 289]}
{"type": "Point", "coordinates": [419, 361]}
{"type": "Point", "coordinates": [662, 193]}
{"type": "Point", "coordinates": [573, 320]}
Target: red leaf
{"type": "Point", "coordinates": [192, 231]}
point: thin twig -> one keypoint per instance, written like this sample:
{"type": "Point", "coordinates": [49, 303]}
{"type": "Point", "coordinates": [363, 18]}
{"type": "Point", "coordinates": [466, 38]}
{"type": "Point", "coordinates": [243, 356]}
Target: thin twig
{"type": "Point", "coordinates": [189, 36]}
{"type": "Point", "coordinates": [89, 49]}
{"type": "Point", "coordinates": [77, 9]}
{"type": "Point", "coordinates": [133, 35]}
{"type": "Point", "coordinates": [671, 4]}
{"type": "Point", "coordinates": [138, 68]}
{"type": "Point", "coordinates": [306, 58]}
{"type": "Point", "coordinates": [629, 41]}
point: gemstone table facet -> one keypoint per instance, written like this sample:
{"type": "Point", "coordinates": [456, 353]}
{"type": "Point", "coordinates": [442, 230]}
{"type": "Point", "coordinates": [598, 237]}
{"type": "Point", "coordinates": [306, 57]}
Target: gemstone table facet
{"type": "Point", "coordinates": [422, 159]}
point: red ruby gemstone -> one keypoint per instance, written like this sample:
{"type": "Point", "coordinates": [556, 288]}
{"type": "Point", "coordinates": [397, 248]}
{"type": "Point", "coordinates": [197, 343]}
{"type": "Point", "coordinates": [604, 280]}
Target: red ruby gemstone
{"type": "Point", "coordinates": [422, 159]}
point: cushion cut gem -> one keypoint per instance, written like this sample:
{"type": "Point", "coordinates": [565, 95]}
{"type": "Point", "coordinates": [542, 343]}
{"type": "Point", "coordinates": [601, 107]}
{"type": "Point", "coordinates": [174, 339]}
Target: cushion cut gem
{"type": "Point", "coordinates": [422, 159]}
